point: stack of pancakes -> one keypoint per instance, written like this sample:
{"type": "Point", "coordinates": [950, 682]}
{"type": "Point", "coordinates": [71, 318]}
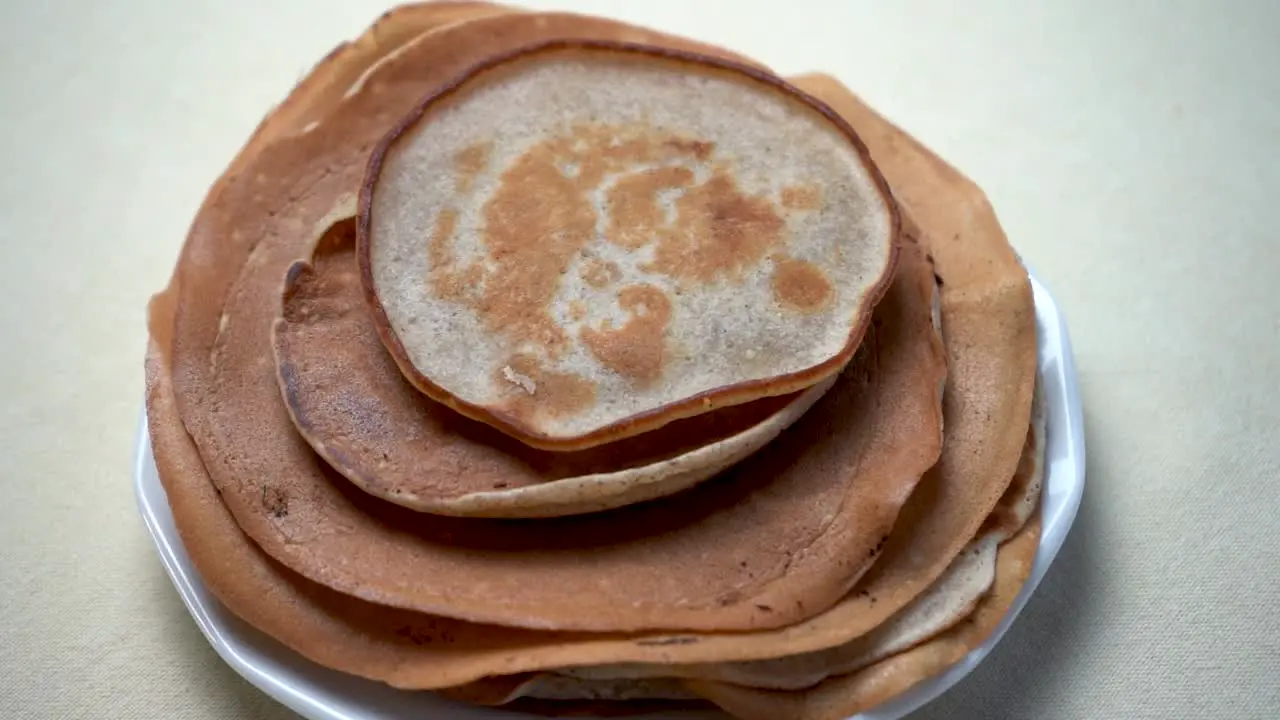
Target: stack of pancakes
{"type": "Point", "coordinates": [545, 361]}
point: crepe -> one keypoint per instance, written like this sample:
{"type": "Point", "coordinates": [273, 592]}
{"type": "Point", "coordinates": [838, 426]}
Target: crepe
{"type": "Point", "coordinates": [413, 650]}
{"type": "Point", "coordinates": [973, 590]}
{"type": "Point", "coordinates": [836, 698]}
{"type": "Point", "coordinates": [950, 505]}
{"type": "Point", "coordinates": [402, 648]}
{"type": "Point", "coordinates": [703, 235]}
{"type": "Point", "coordinates": [950, 599]}
{"type": "Point", "coordinates": [348, 399]}
{"type": "Point", "coordinates": [316, 95]}
{"type": "Point", "coordinates": [769, 544]}
{"type": "Point", "coordinates": [847, 695]}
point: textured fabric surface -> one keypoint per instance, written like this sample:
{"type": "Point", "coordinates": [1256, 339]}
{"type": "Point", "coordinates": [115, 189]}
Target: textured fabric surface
{"type": "Point", "coordinates": [1129, 149]}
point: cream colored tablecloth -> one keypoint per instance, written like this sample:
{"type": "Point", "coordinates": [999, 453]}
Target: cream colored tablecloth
{"type": "Point", "coordinates": [1132, 150]}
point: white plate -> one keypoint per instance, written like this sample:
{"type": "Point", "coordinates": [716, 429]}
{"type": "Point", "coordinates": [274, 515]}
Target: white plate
{"type": "Point", "coordinates": [322, 694]}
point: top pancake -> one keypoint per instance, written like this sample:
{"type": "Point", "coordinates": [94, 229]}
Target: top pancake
{"type": "Point", "coordinates": [662, 234]}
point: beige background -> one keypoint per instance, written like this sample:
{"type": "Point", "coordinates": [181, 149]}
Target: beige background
{"type": "Point", "coordinates": [1132, 150]}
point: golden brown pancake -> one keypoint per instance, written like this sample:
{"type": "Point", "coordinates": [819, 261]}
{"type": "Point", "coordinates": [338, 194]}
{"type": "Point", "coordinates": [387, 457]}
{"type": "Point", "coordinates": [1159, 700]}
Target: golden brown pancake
{"type": "Point", "coordinates": [950, 599]}
{"type": "Point", "coordinates": [711, 648]}
{"type": "Point", "coordinates": [833, 699]}
{"type": "Point", "coordinates": [697, 709]}
{"type": "Point", "coordinates": [349, 400]}
{"type": "Point", "coordinates": [927, 616]}
{"type": "Point", "coordinates": [554, 686]}
{"type": "Point", "coordinates": [402, 648]}
{"type": "Point", "coordinates": [836, 698]}
{"type": "Point", "coordinates": [847, 695]}
{"type": "Point", "coordinates": [988, 321]}
{"type": "Point", "coordinates": [771, 543]}
{"type": "Point", "coordinates": [952, 501]}
{"type": "Point", "coordinates": [323, 87]}
{"type": "Point", "coordinates": [667, 234]}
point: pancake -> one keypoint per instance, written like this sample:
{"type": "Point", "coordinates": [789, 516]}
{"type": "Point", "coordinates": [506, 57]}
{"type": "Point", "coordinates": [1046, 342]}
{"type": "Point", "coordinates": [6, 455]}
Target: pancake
{"type": "Point", "coordinates": [350, 402]}
{"type": "Point", "coordinates": [884, 675]}
{"type": "Point", "coordinates": [836, 698]}
{"type": "Point", "coordinates": [315, 96]}
{"type": "Point", "coordinates": [631, 256]}
{"type": "Point", "coordinates": [950, 599]}
{"type": "Point", "coordinates": [845, 696]}
{"type": "Point", "coordinates": [770, 543]}
{"type": "Point", "coordinates": [987, 342]}
{"type": "Point", "coordinates": [559, 696]}
{"type": "Point", "coordinates": [401, 648]}
{"type": "Point", "coordinates": [694, 709]}
{"type": "Point", "coordinates": [328, 83]}
{"type": "Point", "coordinates": [551, 686]}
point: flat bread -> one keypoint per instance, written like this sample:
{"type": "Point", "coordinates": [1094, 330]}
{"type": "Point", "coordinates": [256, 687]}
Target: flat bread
{"type": "Point", "coordinates": [694, 709]}
{"type": "Point", "coordinates": [402, 648]}
{"type": "Point", "coordinates": [667, 234]}
{"type": "Point", "coordinates": [321, 89]}
{"type": "Point", "coordinates": [324, 86]}
{"type": "Point", "coordinates": [994, 565]}
{"type": "Point", "coordinates": [836, 698]}
{"type": "Point", "coordinates": [350, 402]}
{"type": "Point", "coordinates": [847, 695]}
{"type": "Point", "coordinates": [988, 318]}
{"type": "Point", "coordinates": [711, 560]}
{"type": "Point", "coordinates": [950, 599]}
{"type": "Point", "coordinates": [506, 689]}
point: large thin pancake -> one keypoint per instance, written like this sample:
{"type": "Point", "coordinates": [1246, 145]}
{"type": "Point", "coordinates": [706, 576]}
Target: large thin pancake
{"type": "Point", "coordinates": [696, 709]}
{"type": "Point", "coordinates": [403, 648]}
{"type": "Point", "coordinates": [510, 690]}
{"type": "Point", "coordinates": [353, 406]}
{"type": "Point", "coordinates": [836, 698]}
{"type": "Point", "coordinates": [316, 95]}
{"type": "Point", "coordinates": [666, 234]}
{"type": "Point", "coordinates": [330, 80]}
{"type": "Point", "coordinates": [988, 318]}
{"type": "Point", "coordinates": [950, 599]}
{"type": "Point", "coordinates": [842, 684]}
{"type": "Point", "coordinates": [989, 324]}
{"type": "Point", "coordinates": [775, 541]}
{"type": "Point", "coordinates": [847, 695]}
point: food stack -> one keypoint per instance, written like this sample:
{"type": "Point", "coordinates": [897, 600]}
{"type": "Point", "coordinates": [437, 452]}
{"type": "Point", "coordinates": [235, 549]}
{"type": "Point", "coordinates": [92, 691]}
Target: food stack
{"type": "Point", "coordinates": [539, 359]}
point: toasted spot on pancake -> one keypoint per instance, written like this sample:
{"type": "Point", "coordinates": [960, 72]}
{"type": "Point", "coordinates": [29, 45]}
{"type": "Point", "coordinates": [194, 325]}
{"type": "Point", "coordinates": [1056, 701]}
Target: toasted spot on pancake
{"type": "Point", "coordinates": [449, 280]}
{"type": "Point", "coordinates": [802, 197]}
{"type": "Point", "coordinates": [534, 390]}
{"type": "Point", "coordinates": [638, 348]}
{"type": "Point", "coordinates": [800, 285]}
{"type": "Point", "coordinates": [470, 162]}
{"type": "Point", "coordinates": [529, 245]}
{"type": "Point", "coordinates": [636, 215]}
{"type": "Point", "coordinates": [719, 231]}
